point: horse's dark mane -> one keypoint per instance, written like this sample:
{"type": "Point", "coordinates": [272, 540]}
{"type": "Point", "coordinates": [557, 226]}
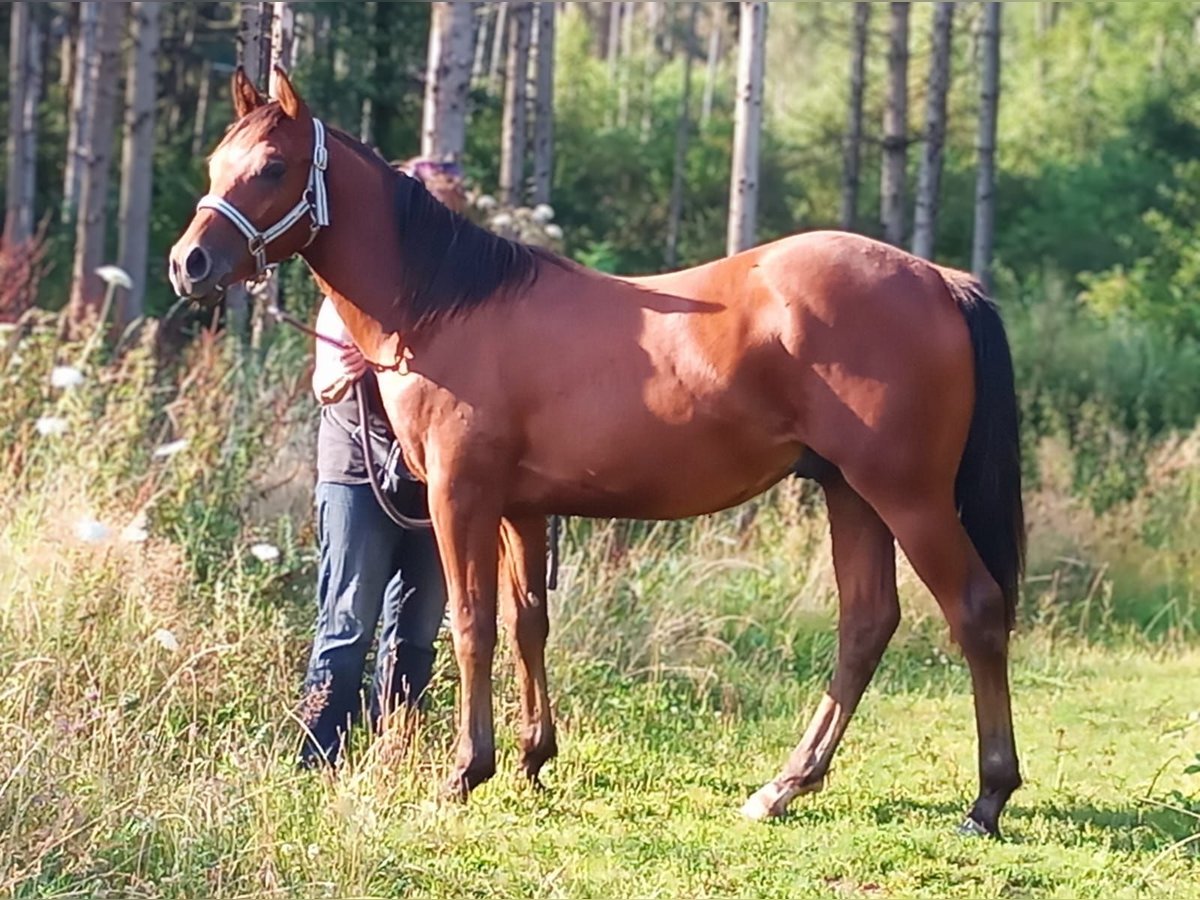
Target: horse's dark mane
{"type": "Point", "coordinates": [449, 265]}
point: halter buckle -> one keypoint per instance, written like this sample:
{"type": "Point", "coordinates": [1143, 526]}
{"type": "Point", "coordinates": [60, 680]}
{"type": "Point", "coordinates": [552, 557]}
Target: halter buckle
{"type": "Point", "coordinates": [321, 157]}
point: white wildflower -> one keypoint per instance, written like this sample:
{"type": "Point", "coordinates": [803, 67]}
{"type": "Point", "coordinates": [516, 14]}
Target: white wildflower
{"type": "Point", "coordinates": [554, 232]}
{"type": "Point", "coordinates": [65, 377]}
{"type": "Point", "coordinates": [111, 275]}
{"type": "Point", "coordinates": [166, 640]}
{"type": "Point", "coordinates": [265, 552]}
{"type": "Point", "coordinates": [543, 213]}
{"type": "Point", "coordinates": [170, 449]}
{"type": "Point", "coordinates": [90, 530]}
{"type": "Point", "coordinates": [134, 534]}
{"type": "Point", "coordinates": [50, 426]}
{"type": "Point", "coordinates": [502, 220]}
{"type": "Point", "coordinates": [313, 851]}
{"type": "Point", "coordinates": [486, 202]}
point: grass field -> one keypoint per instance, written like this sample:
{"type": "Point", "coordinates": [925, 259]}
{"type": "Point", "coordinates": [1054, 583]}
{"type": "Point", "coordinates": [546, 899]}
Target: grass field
{"type": "Point", "coordinates": [146, 686]}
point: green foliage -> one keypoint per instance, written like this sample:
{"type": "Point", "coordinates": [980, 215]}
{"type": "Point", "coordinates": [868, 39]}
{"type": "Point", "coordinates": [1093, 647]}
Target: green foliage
{"type": "Point", "coordinates": [1160, 288]}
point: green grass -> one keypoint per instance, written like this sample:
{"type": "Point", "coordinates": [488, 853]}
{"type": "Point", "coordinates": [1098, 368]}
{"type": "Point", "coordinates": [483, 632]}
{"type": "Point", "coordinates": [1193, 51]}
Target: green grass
{"type": "Point", "coordinates": [644, 799]}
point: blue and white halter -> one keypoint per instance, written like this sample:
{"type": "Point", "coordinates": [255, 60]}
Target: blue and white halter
{"type": "Point", "coordinates": [314, 202]}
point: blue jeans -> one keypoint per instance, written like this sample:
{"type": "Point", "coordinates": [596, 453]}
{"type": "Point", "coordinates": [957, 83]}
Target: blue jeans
{"type": "Point", "coordinates": [369, 568]}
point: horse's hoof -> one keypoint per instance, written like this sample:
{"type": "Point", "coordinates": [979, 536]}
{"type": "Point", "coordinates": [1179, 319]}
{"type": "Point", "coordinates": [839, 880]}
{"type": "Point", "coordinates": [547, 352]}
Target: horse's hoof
{"type": "Point", "coordinates": [771, 801]}
{"type": "Point", "coordinates": [971, 828]}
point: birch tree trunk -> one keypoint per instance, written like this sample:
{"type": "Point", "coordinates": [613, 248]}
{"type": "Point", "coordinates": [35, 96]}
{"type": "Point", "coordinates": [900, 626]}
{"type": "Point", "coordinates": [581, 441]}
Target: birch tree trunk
{"type": "Point", "coordinates": [543, 110]}
{"type": "Point", "coordinates": [447, 80]}
{"type": "Point", "coordinates": [18, 56]}
{"type": "Point", "coordinates": [200, 125]}
{"type": "Point", "coordinates": [852, 151]}
{"type": "Point", "coordinates": [747, 126]}
{"type": "Point", "coordinates": [137, 157]}
{"type": "Point", "coordinates": [498, 35]}
{"type": "Point", "coordinates": [83, 93]}
{"type": "Point", "coordinates": [366, 107]}
{"type": "Point", "coordinates": [985, 181]}
{"type": "Point", "coordinates": [715, 34]}
{"type": "Point", "coordinates": [68, 35]}
{"type": "Point", "coordinates": [895, 129]}
{"type": "Point", "coordinates": [103, 70]}
{"type": "Point", "coordinates": [929, 180]}
{"type": "Point", "coordinates": [251, 40]}
{"type": "Point", "coordinates": [24, 59]}
{"type": "Point", "coordinates": [283, 39]}
{"type": "Point", "coordinates": [683, 130]}
{"type": "Point", "coordinates": [624, 74]}
{"type": "Point", "coordinates": [512, 140]}
{"type": "Point", "coordinates": [486, 15]}
{"type": "Point", "coordinates": [34, 75]}
{"type": "Point", "coordinates": [253, 52]}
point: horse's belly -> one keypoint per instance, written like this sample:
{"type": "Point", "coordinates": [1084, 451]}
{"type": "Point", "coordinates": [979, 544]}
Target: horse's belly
{"type": "Point", "coordinates": [671, 473]}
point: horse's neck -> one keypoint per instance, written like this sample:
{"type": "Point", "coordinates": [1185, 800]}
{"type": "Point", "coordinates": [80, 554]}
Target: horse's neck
{"type": "Point", "coordinates": [354, 260]}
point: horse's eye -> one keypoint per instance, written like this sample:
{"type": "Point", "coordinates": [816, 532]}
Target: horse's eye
{"type": "Point", "coordinates": [274, 169]}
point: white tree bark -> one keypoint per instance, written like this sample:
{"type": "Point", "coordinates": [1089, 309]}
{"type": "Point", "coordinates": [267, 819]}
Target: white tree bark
{"type": "Point", "coordinates": [83, 93]}
{"type": "Point", "coordinates": [495, 68]}
{"type": "Point", "coordinates": [24, 79]}
{"type": "Point", "coordinates": [103, 69]}
{"type": "Point", "coordinates": [366, 107]}
{"type": "Point", "coordinates": [137, 156]}
{"type": "Point", "coordinates": [985, 181]}
{"type": "Point", "coordinates": [895, 129]}
{"type": "Point", "coordinates": [624, 73]}
{"type": "Point", "coordinates": [716, 29]}
{"type": "Point", "coordinates": [448, 80]}
{"type": "Point", "coordinates": [485, 14]}
{"type": "Point", "coordinates": [543, 108]}
{"type": "Point", "coordinates": [852, 150]}
{"type": "Point", "coordinates": [683, 131]}
{"type": "Point", "coordinates": [252, 39]}
{"type": "Point", "coordinates": [253, 55]}
{"type": "Point", "coordinates": [747, 126]}
{"type": "Point", "coordinates": [203, 95]}
{"type": "Point", "coordinates": [34, 75]}
{"type": "Point", "coordinates": [929, 180]}
{"type": "Point", "coordinates": [283, 39]}
{"type": "Point", "coordinates": [67, 30]}
{"type": "Point", "coordinates": [512, 139]}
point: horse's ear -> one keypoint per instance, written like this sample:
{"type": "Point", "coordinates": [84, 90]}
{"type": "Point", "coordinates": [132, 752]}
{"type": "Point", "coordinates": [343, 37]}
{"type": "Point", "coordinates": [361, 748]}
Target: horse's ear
{"type": "Point", "coordinates": [288, 99]}
{"type": "Point", "coordinates": [246, 97]}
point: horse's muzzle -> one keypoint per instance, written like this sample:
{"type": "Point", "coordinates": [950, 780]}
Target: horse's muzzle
{"type": "Point", "coordinates": [195, 273]}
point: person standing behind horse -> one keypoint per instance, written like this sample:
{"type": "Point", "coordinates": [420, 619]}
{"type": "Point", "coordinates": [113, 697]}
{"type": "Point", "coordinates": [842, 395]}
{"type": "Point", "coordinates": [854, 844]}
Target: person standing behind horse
{"type": "Point", "coordinates": [370, 568]}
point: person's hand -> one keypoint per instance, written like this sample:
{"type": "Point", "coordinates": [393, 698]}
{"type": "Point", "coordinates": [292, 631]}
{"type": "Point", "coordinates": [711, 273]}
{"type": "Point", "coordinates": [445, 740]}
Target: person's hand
{"type": "Point", "coordinates": [336, 372]}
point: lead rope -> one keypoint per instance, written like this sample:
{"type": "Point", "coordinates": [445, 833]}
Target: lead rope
{"type": "Point", "coordinates": [407, 522]}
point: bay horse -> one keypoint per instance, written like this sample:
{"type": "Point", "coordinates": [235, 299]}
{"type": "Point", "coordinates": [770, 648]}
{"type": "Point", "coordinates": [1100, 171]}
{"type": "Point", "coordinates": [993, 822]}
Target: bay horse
{"type": "Point", "coordinates": [522, 385]}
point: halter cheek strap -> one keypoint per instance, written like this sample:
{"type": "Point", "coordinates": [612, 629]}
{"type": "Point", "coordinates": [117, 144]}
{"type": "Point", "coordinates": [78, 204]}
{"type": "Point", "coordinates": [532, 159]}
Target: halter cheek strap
{"type": "Point", "coordinates": [314, 202]}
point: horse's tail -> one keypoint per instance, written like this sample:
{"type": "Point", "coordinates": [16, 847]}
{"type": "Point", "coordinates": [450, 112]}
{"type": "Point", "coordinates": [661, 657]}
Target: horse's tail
{"type": "Point", "coordinates": [988, 487]}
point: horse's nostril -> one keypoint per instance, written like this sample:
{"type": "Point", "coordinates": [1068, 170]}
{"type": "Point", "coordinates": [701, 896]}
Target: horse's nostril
{"type": "Point", "coordinates": [198, 264]}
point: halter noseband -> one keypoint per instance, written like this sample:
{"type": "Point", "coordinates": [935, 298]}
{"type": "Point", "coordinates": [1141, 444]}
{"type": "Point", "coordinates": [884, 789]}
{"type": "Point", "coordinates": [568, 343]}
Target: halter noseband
{"type": "Point", "coordinates": [314, 201]}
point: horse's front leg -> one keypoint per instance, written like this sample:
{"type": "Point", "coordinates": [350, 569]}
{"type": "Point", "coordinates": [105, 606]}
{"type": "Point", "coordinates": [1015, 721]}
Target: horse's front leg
{"type": "Point", "coordinates": [467, 524]}
{"type": "Point", "coordinates": [523, 606]}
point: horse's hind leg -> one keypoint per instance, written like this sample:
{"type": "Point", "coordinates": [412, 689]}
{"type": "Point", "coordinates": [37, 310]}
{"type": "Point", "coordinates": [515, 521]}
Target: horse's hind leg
{"type": "Point", "coordinates": [928, 528]}
{"type": "Point", "coordinates": [523, 605]}
{"type": "Point", "coordinates": [865, 565]}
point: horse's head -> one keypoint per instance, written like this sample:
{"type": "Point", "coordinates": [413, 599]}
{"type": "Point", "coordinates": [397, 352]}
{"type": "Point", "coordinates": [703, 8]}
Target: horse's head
{"type": "Point", "coordinates": [266, 197]}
